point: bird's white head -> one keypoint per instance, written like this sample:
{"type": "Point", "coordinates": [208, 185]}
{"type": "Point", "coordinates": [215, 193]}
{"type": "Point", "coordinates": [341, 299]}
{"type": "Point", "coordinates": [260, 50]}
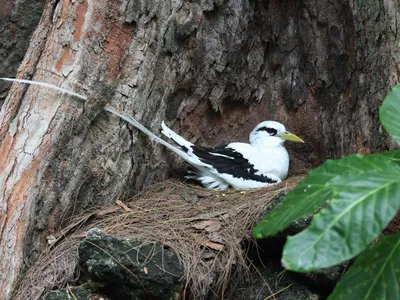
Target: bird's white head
{"type": "Point", "coordinates": [272, 134]}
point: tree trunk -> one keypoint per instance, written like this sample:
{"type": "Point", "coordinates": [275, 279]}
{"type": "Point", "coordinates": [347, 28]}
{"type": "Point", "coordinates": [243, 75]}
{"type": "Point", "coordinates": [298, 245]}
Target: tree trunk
{"type": "Point", "coordinates": [18, 19]}
{"type": "Point", "coordinates": [211, 69]}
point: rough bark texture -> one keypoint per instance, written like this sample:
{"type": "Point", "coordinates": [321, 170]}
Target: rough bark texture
{"type": "Point", "coordinates": [18, 20]}
{"type": "Point", "coordinates": [211, 69]}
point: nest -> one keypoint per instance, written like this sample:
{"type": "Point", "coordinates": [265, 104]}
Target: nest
{"type": "Point", "coordinates": [205, 228]}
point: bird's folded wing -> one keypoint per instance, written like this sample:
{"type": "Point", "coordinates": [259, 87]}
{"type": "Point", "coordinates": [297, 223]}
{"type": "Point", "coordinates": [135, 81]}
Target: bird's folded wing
{"type": "Point", "coordinates": [226, 160]}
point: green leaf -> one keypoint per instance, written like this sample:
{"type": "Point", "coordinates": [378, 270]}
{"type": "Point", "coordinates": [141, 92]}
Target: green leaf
{"type": "Point", "coordinates": [393, 155]}
{"type": "Point", "coordinates": [374, 275]}
{"type": "Point", "coordinates": [389, 113]}
{"type": "Point", "coordinates": [312, 192]}
{"type": "Point", "coordinates": [362, 207]}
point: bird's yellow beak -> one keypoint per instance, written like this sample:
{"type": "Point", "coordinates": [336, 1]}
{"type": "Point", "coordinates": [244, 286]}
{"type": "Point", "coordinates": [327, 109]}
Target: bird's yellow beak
{"type": "Point", "coordinates": [290, 137]}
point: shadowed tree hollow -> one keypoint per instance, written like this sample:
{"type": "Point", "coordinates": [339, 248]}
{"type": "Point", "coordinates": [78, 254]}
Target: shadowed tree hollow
{"type": "Point", "coordinates": [211, 69]}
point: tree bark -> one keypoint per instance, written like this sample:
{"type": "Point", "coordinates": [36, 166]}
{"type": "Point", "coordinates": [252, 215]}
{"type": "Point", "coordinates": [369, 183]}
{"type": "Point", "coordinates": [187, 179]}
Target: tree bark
{"type": "Point", "coordinates": [18, 20]}
{"type": "Point", "coordinates": [211, 69]}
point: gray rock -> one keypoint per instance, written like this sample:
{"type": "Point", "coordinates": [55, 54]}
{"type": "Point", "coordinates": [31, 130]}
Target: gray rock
{"type": "Point", "coordinates": [127, 269]}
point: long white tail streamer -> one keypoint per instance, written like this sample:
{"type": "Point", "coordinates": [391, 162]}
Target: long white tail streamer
{"type": "Point", "coordinates": [48, 85]}
{"type": "Point", "coordinates": [128, 119]}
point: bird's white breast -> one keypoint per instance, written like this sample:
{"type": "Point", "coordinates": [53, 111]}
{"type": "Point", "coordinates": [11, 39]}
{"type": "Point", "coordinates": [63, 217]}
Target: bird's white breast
{"type": "Point", "coordinates": [266, 160]}
{"type": "Point", "coordinates": [272, 160]}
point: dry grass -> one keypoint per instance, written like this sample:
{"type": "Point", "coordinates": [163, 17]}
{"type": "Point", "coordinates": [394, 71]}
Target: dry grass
{"type": "Point", "coordinates": [205, 228]}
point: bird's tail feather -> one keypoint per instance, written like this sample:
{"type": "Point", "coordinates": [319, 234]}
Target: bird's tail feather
{"type": "Point", "coordinates": [168, 132]}
{"type": "Point", "coordinates": [48, 85]}
{"type": "Point", "coordinates": [152, 136]}
{"type": "Point", "coordinates": [207, 179]}
{"type": "Point", "coordinates": [128, 119]}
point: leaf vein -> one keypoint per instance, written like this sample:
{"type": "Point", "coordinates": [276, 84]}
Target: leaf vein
{"type": "Point", "coordinates": [345, 211]}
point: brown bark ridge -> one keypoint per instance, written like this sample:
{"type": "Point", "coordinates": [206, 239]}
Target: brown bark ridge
{"type": "Point", "coordinates": [18, 19]}
{"type": "Point", "coordinates": [211, 69]}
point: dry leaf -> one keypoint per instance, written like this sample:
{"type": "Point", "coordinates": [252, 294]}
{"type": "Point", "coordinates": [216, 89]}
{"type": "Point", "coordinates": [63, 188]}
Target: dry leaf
{"type": "Point", "coordinates": [208, 225]}
{"type": "Point", "coordinates": [216, 239]}
{"type": "Point", "coordinates": [215, 246]}
{"type": "Point", "coordinates": [121, 204]}
{"type": "Point", "coordinates": [145, 271]}
{"type": "Point", "coordinates": [213, 228]}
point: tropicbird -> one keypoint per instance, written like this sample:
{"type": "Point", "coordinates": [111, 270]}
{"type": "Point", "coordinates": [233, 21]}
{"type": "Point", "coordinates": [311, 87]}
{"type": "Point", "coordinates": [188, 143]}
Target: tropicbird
{"type": "Point", "coordinates": [261, 162]}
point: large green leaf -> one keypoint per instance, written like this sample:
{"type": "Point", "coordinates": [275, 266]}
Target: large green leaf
{"type": "Point", "coordinates": [374, 275]}
{"type": "Point", "coordinates": [394, 155]}
{"type": "Point", "coordinates": [362, 206]}
{"type": "Point", "coordinates": [312, 192]}
{"type": "Point", "coordinates": [389, 113]}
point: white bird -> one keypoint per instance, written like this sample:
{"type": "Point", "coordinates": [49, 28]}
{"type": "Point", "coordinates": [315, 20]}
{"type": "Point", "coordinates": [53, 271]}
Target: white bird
{"type": "Point", "coordinates": [261, 162]}
{"type": "Point", "coordinates": [264, 161]}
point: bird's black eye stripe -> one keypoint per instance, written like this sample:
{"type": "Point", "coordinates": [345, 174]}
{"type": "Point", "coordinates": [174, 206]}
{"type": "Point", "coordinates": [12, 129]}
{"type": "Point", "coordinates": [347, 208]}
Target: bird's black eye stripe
{"type": "Point", "coordinates": [271, 131]}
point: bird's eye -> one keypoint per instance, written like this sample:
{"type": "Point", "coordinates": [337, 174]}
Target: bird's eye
{"type": "Point", "coordinates": [271, 131]}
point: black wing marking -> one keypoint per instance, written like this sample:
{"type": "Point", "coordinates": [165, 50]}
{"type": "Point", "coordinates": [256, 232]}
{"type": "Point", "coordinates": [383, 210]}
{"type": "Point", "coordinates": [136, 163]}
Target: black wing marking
{"type": "Point", "coordinates": [229, 161]}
